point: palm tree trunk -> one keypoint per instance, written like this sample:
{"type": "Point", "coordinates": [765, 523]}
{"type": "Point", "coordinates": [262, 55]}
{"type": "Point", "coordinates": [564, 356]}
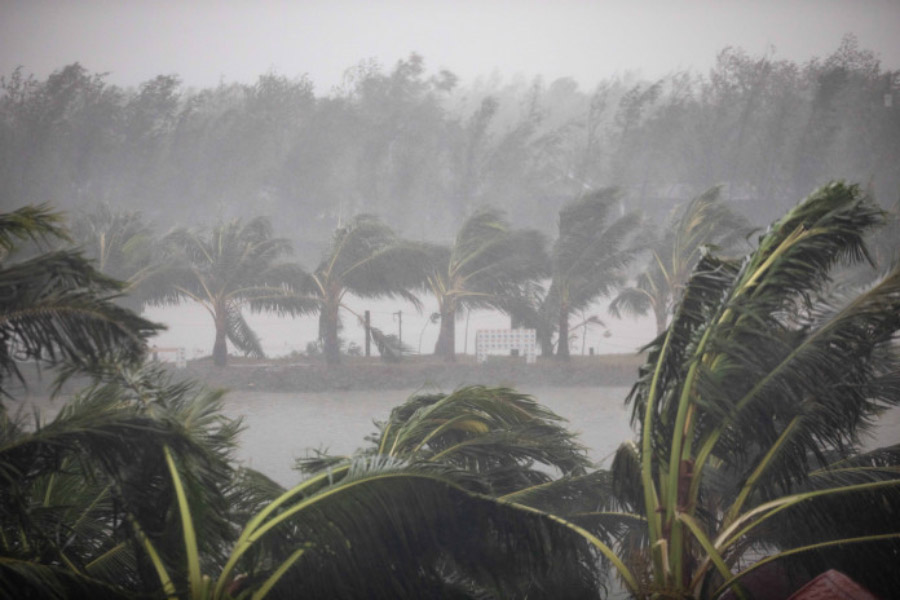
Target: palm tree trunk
{"type": "Point", "coordinates": [220, 347]}
{"type": "Point", "coordinates": [545, 339]}
{"type": "Point", "coordinates": [446, 343]}
{"type": "Point", "coordinates": [562, 348]}
{"type": "Point", "coordinates": [329, 322]}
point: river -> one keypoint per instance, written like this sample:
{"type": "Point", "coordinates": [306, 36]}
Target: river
{"type": "Point", "coordinates": [280, 427]}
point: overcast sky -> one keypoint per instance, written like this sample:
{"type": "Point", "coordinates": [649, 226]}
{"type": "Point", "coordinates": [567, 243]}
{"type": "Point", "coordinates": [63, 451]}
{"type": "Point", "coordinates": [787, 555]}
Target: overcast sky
{"type": "Point", "coordinates": [205, 41]}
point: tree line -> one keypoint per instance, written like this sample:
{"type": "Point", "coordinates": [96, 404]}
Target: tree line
{"type": "Point", "coordinates": [747, 470]}
{"type": "Point", "coordinates": [235, 265]}
{"type": "Point", "coordinates": [240, 264]}
{"type": "Point", "coordinates": [424, 151]}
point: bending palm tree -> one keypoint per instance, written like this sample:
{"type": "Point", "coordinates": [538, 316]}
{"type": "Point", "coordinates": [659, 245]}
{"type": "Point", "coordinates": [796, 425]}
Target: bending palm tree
{"type": "Point", "coordinates": [704, 221]}
{"type": "Point", "coordinates": [588, 260]}
{"type": "Point", "coordinates": [121, 246]}
{"type": "Point", "coordinates": [501, 443]}
{"type": "Point", "coordinates": [750, 407]}
{"type": "Point", "coordinates": [485, 267]}
{"type": "Point", "coordinates": [55, 307]}
{"type": "Point", "coordinates": [86, 500]}
{"type": "Point", "coordinates": [232, 267]}
{"type": "Point", "coordinates": [367, 259]}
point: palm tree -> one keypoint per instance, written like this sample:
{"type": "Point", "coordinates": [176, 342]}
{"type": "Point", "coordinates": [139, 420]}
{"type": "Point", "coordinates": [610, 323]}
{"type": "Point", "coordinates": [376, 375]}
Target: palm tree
{"type": "Point", "coordinates": [381, 528]}
{"type": "Point", "coordinates": [367, 259]}
{"type": "Point", "coordinates": [233, 266]}
{"type": "Point", "coordinates": [132, 488]}
{"type": "Point", "coordinates": [120, 243]}
{"type": "Point", "coordinates": [498, 442]}
{"type": "Point", "coordinates": [55, 307]}
{"type": "Point", "coordinates": [704, 221]}
{"type": "Point", "coordinates": [86, 500]}
{"type": "Point", "coordinates": [486, 265]}
{"type": "Point", "coordinates": [750, 408]}
{"type": "Point", "coordinates": [588, 260]}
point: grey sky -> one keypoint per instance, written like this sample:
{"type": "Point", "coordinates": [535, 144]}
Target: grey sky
{"type": "Point", "coordinates": [205, 41]}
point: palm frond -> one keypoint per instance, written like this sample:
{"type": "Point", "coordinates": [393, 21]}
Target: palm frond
{"type": "Point", "coordinates": [240, 334]}
{"type": "Point", "coordinates": [29, 223]}
{"type": "Point", "coordinates": [388, 345]}
{"type": "Point", "coordinates": [56, 307]}
{"type": "Point", "coordinates": [397, 518]}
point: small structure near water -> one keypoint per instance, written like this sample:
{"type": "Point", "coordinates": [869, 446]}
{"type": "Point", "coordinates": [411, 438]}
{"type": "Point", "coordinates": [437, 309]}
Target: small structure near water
{"type": "Point", "coordinates": [514, 342]}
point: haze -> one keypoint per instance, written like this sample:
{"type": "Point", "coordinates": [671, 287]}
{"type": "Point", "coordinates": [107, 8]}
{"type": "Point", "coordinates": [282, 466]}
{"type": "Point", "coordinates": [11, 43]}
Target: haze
{"type": "Point", "coordinates": [208, 42]}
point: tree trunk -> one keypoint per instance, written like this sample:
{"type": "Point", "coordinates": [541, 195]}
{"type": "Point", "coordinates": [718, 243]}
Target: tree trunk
{"type": "Point", "coordinates": [446, 343]}
{"type": "Point", "coordinates": [329, 323]}
{"type": "Point", "coordinates": [220, 347]}
{"type": "Point", "coordinates": [562, 347]}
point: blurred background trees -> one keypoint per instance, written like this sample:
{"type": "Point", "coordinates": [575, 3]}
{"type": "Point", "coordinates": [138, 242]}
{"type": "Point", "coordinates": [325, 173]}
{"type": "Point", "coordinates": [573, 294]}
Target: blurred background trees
{"type": "Point", "coordinates": [424, 151]}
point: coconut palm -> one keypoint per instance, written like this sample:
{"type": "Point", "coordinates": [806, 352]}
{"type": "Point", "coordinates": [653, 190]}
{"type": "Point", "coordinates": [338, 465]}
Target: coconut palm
{"type": "Point", "coordinates": [486, 265]}
{"type": "Point", "coordinates": [367, 259]}
{"type": "Point", "coordinates": [381, 528]}
{"type": "Point", "coordinates": [54, 306]}
{"type": "Point", "coordinates": [86, 502]}
{"type": "Point", "coordinates": [120, 243]}
{"type": "Point", "coordinates": [588, 260]}
{"type": "Point", "coordinates": [750, 408]}
{"type": "Point", "coordinates": [233, 266]}
{"type": "Point", "coordinates": [704, 221]}
{"type": "Point", "coordinates": [502, 443]}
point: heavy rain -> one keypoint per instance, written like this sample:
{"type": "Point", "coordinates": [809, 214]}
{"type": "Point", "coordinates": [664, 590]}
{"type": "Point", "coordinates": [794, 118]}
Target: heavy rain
{"type": "Point", "coordinates": [449, 299]}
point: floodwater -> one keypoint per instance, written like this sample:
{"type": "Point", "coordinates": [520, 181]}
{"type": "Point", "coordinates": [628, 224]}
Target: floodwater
{"type": "Point", "coordinates": [281, 427]}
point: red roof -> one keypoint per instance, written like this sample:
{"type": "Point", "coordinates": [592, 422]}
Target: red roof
{"type": "Point", "coordinates": [832, 585]}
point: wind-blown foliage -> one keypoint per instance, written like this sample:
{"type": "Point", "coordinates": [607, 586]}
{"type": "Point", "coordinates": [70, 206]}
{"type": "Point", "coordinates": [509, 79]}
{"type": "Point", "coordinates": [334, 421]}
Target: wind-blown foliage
{"type": "Point", "coordinates": [83, 495]}
{"type": "Point", "coordinates": [121, 244]}
{"type": "Point", "coordinates": [487, 265]}
{"type": "Point", "coordinates": [502, 443]}
{"type": "Point", "coordinates": [751, 404]}
{"type": "Point", "coordinates": [588, 261]}
{"type": "Point", "coordinates": [233, 266]}
{"type": "Point", "coordinates": [499, 439]}
{"type": "Point", "coordinates": [704, 221]}
{"type": "Point", "coordinates": [54, 306]}
{"type": "Point", "coordinates": [367, 259]}
{"type": "Point", "coordinates": [132, 489]}
{"type": "Point", "coordinates": [750, 410]}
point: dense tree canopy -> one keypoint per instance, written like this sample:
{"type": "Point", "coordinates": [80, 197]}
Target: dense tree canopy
{"type": "Point", "coordinates": [424, 150]}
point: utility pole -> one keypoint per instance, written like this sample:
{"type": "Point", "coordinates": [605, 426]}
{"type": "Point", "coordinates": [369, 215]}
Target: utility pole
{"type": "Point", "coordinates": [368, 335]}
{"type": "Point", "coordinates": [399, 315]}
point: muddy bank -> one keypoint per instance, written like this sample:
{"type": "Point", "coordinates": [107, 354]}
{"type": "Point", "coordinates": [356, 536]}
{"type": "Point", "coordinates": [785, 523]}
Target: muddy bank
{"type": "Point", "coordinates": [357, 373]}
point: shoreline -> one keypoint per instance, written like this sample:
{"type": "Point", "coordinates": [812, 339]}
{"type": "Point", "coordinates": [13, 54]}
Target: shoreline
{"type": "Point", "coordinates": [358, 373]}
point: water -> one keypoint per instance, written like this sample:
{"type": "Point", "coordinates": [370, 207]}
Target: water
{"type": "Point", "coordinates": [281, 427]}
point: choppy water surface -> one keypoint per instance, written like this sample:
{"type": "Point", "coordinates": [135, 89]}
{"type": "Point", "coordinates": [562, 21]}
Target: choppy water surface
{"type": "Point", "coordinates": [283, 426]}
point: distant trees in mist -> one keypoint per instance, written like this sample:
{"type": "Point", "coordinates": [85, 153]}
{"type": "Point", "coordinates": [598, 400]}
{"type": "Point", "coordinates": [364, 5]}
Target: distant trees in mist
{"type": "Point", "coordinates": [424, 151]}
